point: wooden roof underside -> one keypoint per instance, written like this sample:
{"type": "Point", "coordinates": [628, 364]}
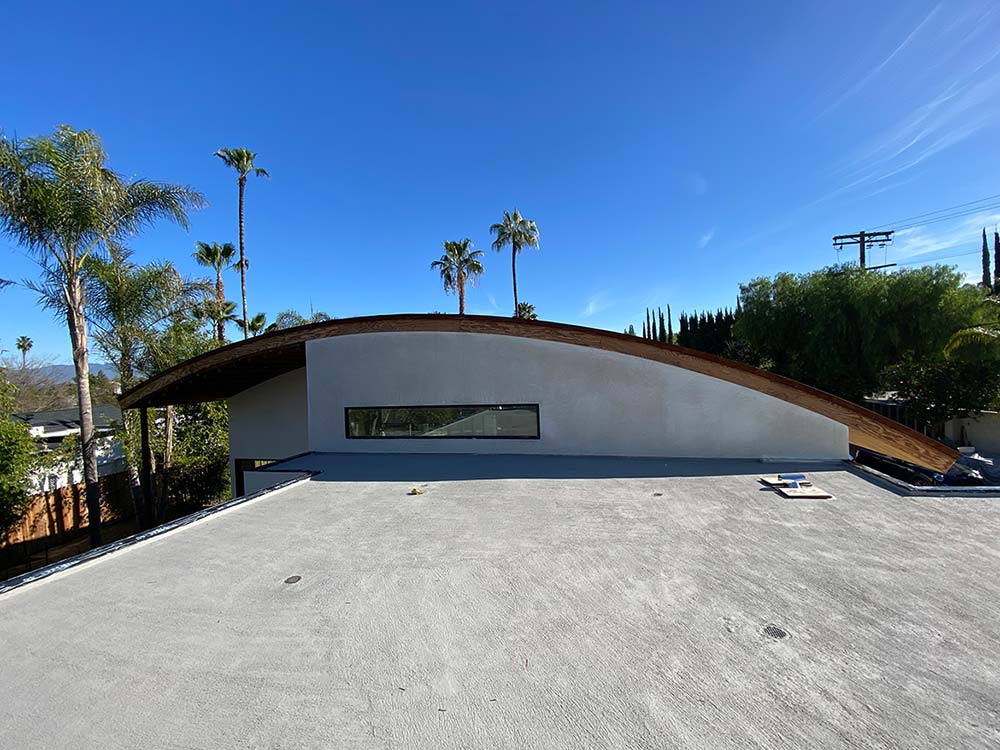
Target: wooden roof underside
{"type": "Point", "coordinates": [226, 371]}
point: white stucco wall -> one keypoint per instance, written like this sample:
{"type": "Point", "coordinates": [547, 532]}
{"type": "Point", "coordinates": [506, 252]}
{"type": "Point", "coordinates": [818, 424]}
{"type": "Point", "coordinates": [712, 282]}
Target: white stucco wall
{"type": "Point", "coordinates": [591, 402]}
{"type": "Point", "coordinates": [270, 420]}
{"type": "Point", "coordinates": [982, 431]}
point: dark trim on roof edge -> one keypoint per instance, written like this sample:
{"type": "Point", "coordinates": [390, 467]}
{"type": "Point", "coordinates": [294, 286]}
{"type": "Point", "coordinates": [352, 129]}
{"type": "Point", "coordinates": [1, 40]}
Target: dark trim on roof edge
{"type": "Point", "coordinates": [867, 428]}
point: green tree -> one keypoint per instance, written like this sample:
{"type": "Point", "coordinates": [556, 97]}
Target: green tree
{"type": "Point", "coordinates": [838, 329]}
{"type": "Point", "coordinates": [217, 314]}
{"type": "Point", "coordinates": [129, 305]}
{"type": "Point", "coordinates": [987, 277]}
{"type": "Point", "coordinates": [219, 258]}
{"type": "Point", "coordinates": [291, 319]}
{"type": "Point", "coordinates": [24, 345]}
{"type": "Point", "coordinates": [17, 452]}
{"type": "Point", "coordinates": [257, 324]}
{"type": "Point", "coordinates": [519, 233]}
{"type": "Point", "coordinates": [243, 161]}
{"type": "Point", "coordinates": [459, 264]}
{"type": "Point", "coordinates": [526, 311]}
{"type": "Point", "coordinates": [61, 201]}
{"type": "Point", "coordinates": [937, 389]}
{"type": "Point", "coordinates": [984, 332]}
{"type": "Point", "coordinates": [996, 262]}
{"type": "Point", "coordinates": [670, 326]}
{"type": "Point", "coordinates": [189, 442]}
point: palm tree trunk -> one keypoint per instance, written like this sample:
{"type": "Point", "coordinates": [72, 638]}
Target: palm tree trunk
{"type": "Point", "coordinates": [24, 358]}
{"type": "Point", "coordinates": [461, 293]}
{"type": "Point", "coordinates": [81, 362]}
{"type": "Point", "coordinates": [513, 270]}
{"type": "Point", "coordinates": [243, 260]}
{"type": "Point", "coordinates": [220, 297]}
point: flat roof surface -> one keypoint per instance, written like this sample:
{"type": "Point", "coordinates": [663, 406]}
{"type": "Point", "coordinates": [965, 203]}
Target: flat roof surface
{"type": "Point", "coordinates": [562, 603]}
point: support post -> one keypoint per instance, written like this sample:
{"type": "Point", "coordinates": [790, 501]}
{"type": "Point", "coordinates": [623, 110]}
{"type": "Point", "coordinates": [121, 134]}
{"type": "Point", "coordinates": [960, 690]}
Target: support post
{"type": "Point", "coordinates": [146, 468]}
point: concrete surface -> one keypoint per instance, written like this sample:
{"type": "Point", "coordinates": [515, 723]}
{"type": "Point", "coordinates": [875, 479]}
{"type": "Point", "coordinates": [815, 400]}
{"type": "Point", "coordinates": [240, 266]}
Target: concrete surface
{"type": "Point", "coordinates": [559, 603]}
{"type": "Point", "coordinates": [591, 402]}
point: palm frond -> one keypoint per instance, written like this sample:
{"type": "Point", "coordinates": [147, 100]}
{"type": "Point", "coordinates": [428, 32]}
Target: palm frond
{"type": "Point", "coordinates": [242, 160]}
{"type": "Point", "coordinates": [981, 335]}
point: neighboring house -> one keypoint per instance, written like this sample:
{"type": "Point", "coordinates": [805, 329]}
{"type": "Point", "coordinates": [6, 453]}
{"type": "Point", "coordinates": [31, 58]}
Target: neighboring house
{"type": "Point", "coordinates": [50, 428]}
{"type": "Point", "coordinates": [476, 384]}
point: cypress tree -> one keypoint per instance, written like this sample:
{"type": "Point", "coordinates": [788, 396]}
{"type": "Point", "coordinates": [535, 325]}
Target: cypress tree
{"type": "Point", "coordinates": [631, 330]}
{"type": "Point", "coordinates": [649, 330]}
{"type": "Point", "coordinates": [670, 326]}
{"type": "Point", "coordinates": [682, 333]}
{"type": "Point", "coordinates": [644, 330]}
{"type": "Point", "coordinates": [987, 279]}
{"type": "Point", "coordinates": [996, 260]}
{"type": "Point", "coordinates": [663, 328]}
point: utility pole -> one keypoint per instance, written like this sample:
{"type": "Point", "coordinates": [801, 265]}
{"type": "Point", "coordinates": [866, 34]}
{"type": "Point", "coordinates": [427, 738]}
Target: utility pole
{"type": "Point", "coordinates": [862, 240]}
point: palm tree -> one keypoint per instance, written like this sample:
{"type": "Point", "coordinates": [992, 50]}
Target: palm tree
{"type": "Point", "coordinates": [459, 264]}
{"type": "Point", "coordinates": [61, 201]}
{"type": "Point", "coordinates": [219, 257]}
{"type": "Point", "coordinates": [291, 319]}
{"type": "Point", "coordinates": [216, 313]}
{"type": "Point", "coordinates": [128, 307]}
{"type": "Point", "coordinates": [981, 334]}
{"type": "Point", "coordinates": [242, 160]}
{"type": "Point", "coordinates": [517, 232]}
{"type": "Point", "coordinates": [257, 324]}
{"type": "Point", "coordinates": [24, 345]}
{"type": "Point", "coordinates": [526, 311]}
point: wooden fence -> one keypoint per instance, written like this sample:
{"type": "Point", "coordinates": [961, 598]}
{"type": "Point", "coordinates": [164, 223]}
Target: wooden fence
{"type": "Point", "coordinates": [61, 513]}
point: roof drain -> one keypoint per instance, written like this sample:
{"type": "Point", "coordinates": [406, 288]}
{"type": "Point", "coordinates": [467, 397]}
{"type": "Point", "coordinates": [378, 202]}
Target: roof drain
{"type": "Point", "coordinates": [776, 632]}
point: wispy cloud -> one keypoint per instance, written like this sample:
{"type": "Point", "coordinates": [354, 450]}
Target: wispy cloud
{"type": "Point", "coordinates": [948, 104]}
{"type": "Point", "coordinates": [706, 238]}
{"type": "Point", "coordinates": [596, 303]}
{"type": "Point", "coordinates": [483, 309]}
{"type": "Point", "coordinates": [913, 243]}
{"type": "Point", "coordinates": [867, 77]}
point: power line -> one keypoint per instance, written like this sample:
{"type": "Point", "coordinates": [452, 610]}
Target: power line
{"type": "Point", "coordinates": [949, 217]}
{"type": "Point", "coordinates": [935, 260]}
{"type": "Point", "coordinates": [943, 210]}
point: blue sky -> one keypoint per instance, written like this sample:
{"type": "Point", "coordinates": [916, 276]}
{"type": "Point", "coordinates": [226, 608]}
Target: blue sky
{"type": "Point", "coordinates": [666, 153]}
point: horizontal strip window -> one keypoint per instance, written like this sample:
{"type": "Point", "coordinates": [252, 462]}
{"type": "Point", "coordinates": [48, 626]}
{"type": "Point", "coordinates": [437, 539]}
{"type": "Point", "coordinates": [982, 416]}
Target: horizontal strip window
{"type": "Point", "coordinates": [497, 421]}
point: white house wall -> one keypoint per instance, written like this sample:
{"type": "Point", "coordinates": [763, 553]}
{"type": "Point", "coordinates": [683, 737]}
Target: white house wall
{"type": "Point", "coordinates": [270, 420]}
{"type": "Point", "coordinates": [591, 402]}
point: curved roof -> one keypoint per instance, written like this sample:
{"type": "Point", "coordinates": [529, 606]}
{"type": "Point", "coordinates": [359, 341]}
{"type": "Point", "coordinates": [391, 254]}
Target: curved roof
{"type": "Point", "coordinates": [230, 369]}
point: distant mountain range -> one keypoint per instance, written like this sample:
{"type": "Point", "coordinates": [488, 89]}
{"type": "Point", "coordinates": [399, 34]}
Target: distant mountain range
{"type": "Point", "coordinates": [67, 373]}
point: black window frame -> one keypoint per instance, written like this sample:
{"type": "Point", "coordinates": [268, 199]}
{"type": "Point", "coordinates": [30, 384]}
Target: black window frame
{"type": "Point", "coordinates": [533, 407]}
